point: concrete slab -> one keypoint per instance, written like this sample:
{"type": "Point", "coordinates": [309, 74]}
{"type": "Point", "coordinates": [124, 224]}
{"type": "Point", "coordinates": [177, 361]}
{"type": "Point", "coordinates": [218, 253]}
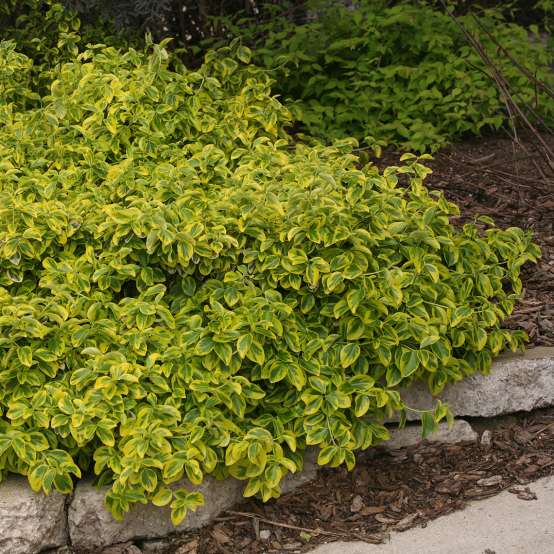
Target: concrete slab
{"type": "Point", "coordinates": [502, 524]}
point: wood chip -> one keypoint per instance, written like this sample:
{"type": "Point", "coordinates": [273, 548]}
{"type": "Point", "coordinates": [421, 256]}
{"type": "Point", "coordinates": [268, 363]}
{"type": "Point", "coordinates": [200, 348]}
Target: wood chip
{"type": "Point", "coordinates": [490, 481]}
{"type": "Point", "coordinates": [406, 522]}
{"type": "Point", "coordinates": [357, 504]}
{"type": "Point", "coordinates": [372, 510]}
{"type": "Point", "coordinates": [523, 493]}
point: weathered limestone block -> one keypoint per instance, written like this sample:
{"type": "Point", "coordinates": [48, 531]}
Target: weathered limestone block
{"type": "Point", "coordinates": [30, 522]}
{"type": "Point", "coordinates": [410, 435]}
{"type": "Point", "coordinates": [517, 382]}
{"type": "Point", "coordinates": [92, 527]}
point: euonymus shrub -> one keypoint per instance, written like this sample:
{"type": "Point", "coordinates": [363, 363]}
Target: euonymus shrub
{"type": "Point", "coordinates": [402, 75]}
{"type": "Point", "coordinates": [184, 293]}
{"type": "Point", "coordinates": [49, 33]}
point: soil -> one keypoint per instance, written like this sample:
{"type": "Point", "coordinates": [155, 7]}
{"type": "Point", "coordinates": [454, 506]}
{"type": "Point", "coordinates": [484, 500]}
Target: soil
{"type": "Point", "coordinates": [387, 491]}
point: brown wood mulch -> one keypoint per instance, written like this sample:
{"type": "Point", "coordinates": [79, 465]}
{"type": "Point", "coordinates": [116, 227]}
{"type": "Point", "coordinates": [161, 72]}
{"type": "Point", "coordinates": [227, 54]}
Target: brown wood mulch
{"type": "Point", "coordinates": [387, 491]}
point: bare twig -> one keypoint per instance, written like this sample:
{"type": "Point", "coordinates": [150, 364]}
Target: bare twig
{"type": "Point", "coordinates": [512, 106]}
{"type": "Point", "coordinates": [482, 159]}
{"type": "Point", "coordinates": [543, 429]}
{"type": "Point", "coordinates": [504, 174]}
{"type": "Point", "coordinates": [522, 68]}
{"type": "Point", "coordinates": [372, 539]}
{"type": "Point", "coordinates": [539, 169]}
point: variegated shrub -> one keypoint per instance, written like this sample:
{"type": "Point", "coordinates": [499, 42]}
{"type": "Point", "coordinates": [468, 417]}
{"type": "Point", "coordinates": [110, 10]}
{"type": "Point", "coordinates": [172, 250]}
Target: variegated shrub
{"type": "Point", "coordinates": [184, 292]}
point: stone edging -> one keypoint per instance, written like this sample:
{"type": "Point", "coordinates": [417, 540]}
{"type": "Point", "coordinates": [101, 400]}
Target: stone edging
{"type": "Point", "coordinates": [32, 523]}
{"type": "Point", "coordinates": [517, 383]}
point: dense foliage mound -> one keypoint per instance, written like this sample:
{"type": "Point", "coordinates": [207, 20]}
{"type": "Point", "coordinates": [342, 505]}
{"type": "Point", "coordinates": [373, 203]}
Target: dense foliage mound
{"type": "Point", "coordinates": [403, 75]}
{"type": "Point", "coordinates": [183, 292]}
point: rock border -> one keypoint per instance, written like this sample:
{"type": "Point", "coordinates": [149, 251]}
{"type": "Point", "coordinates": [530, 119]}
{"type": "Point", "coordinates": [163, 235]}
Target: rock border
{"type": "Point", "coordinates": [31, 523]}
{"type": "Point", "coordinates": [519, 382]}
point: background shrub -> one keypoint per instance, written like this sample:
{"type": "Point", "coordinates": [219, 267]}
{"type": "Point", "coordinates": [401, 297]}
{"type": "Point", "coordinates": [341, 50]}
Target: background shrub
{"type": "Point", "coordinates": [189, 21]}
{"type": "Point", "coordinates": [403, 75]}
{"type": "Point", "coordinates": [341, 71]}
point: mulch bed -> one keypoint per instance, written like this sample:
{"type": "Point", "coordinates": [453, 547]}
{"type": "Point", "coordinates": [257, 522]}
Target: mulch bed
{"type": "Point", "coordinates": [386, 492]}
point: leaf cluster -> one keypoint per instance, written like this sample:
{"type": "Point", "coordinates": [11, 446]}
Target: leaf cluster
{"type": "Point", "coordinates": [49, 34]}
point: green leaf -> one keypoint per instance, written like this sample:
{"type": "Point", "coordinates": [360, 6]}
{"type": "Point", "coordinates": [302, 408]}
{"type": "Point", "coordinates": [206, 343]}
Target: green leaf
{"type": "Point", "coordinates": [460, 314]}
{"type": "Point", "coordinates": [163, 497]}
{"type": "Point", "coordinates": [441, 412]}
{"type": "Point", "coordinates": [178, 514]}
{"type": "Point", "coordinates": [256, 353]}
{"type": "Point", "coordinates": [224, 352]}
{"type": "Point", "coordinates": [296, 376]}
{"type": "Point", "coordinates": [428, 340]}
{"type": "Point", "coordinates": [173, 470]}
{"type": "Point", "coordinates": [194, 500]}
{"type": "Point", "coordinates": [148, 479]}
{"type": "Point", "coordinates": [63, 483]}
{"type": "Point", "coordinates": [204, 346]}
{"type": "Point", "coordinates": [428, 424]}
{"type": "Point", "coordinates": [326, 454]}
{"type": "Point", "coordinates": [349, 353]}
{"type": "Point", "coordinates": [333, 280]}
{"type": "Point", "coordinates": [37, 441]}
{"type": "Point", "coordinates": [5, 443]}
{"type": "Point", "coordinates": [355, 328]}
{"type": "Point", "coordinates": [278, 372]}
{"type": "Point", "coordinates": [313, 404]}
{"type": "Point", "coordinates": [36, 476]}
{"type": "Point", "coordinates": [480, 338]}
{"type": "Point", "coordinates": [361, 405]}
{"type": "Point", "coordinates": [243, 344]}
{"type": "Point", "coordinates": [409, 362]}
{"type": "Point", "coordinates": [244, 54]}
{"type": "Point", "coordinates": [252, 488]}
{"type": "Point", "coordinates": [105, 435]}
{"type": "Point", "coordinates": [25, 355]}
{"type": "Point", "coordinates": [193, 471]}
{"type": "Point", "coordinates": [393, 376]}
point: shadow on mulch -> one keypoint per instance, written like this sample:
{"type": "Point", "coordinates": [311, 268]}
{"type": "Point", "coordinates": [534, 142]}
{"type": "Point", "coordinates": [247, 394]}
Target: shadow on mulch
{"type": "Point", "coordinates": [387, 492]}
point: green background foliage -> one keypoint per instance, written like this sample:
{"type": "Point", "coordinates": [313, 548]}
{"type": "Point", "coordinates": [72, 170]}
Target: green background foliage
{"type": "Point", "coordinates": [402, 75]}
{"type": "Point", "coordinates": [185, 292]}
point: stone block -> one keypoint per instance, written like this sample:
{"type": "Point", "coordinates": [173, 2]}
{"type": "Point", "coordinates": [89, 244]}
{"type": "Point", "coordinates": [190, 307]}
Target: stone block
{"type": "Point", "coordinates": [30, 522]}
{"type": "Point", "coordinates": [517, 382]}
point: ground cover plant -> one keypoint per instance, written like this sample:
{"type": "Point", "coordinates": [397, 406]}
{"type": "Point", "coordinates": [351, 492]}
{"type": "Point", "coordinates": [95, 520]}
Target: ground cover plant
{"type": "Point", "coordinates": [403, 75]}
{"type": "Point", "coordinates": [184, 292]}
